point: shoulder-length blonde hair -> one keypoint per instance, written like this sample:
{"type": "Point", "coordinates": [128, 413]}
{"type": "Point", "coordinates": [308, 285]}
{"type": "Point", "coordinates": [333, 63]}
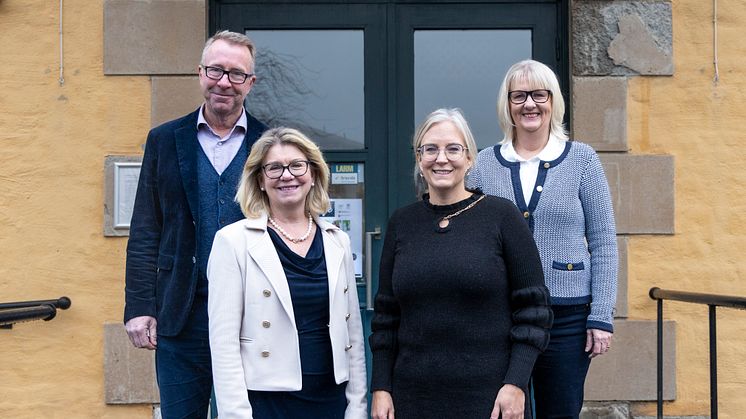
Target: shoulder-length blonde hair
{"type": "Point", "coordinates": [253, 201]}
{"type": "Point", "coordinates": [454, 116]}
{"type": "Point", "coordinates": [537, 76]}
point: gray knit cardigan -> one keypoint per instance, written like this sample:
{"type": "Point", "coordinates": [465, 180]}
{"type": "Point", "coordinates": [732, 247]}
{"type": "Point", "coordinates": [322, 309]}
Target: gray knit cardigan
{"type": "Point", "coordinates": [571, 216]}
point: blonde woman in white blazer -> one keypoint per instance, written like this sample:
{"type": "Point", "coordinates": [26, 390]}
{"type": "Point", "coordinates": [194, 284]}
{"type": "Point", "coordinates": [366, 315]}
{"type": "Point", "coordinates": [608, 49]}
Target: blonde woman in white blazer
{"type": "Point", "coordinates": [285, 334]}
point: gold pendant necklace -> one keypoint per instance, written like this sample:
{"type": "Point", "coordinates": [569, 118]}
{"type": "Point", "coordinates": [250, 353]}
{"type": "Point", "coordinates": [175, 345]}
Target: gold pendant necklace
{"type": "Point", "coordinates": [443, 223]}
{"type": "Point", "coordinates": [286, 235]}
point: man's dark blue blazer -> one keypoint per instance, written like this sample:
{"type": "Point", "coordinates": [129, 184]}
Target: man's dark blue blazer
{"type": "Point", "coordinates": [161, 275]}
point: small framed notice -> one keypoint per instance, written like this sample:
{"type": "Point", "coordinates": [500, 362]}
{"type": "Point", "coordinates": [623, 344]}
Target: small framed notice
{"type": "Point", "coordinates": [122, 174]}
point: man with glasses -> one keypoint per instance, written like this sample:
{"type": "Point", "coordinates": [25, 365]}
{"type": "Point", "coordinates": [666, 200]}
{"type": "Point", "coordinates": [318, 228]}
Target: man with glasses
{"type": "Point", "coordinates": [189, 175]}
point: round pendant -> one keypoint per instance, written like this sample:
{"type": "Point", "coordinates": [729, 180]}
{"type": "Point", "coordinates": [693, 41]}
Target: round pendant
{"type": "Point", "coordinates": [443, 223]}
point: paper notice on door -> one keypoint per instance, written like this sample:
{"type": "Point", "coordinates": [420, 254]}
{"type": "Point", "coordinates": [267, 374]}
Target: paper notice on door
{"type": "Point", "coordinates": [347, 214]}
{"type": "Point", "coordinates": [345, 173]}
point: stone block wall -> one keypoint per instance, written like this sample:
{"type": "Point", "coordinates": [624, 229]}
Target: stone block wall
{"type": "Point", "coordinates": [137, 42]}
{"type": "Point", "coordinates": [611, 42]}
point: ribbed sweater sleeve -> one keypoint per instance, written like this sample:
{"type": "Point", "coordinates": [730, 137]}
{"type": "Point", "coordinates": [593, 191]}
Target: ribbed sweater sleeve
{"type": "Point", "coordinates": [601, 235]}
{"type": "Point", "coordinates": [385, 323]}
{"type": "Point", "coordinates": [532, 315]}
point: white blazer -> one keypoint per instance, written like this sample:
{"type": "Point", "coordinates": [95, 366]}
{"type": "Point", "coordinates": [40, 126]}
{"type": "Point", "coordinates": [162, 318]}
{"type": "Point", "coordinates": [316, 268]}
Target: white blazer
{"type": "Point", "coordinates": [253, 336]}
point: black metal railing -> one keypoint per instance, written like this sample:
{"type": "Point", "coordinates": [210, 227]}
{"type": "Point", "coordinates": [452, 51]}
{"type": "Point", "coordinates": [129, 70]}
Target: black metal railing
{"type": "Point", "coordinates": [712, 301]}
{"type": "Point", "coordinates": [23, 311]}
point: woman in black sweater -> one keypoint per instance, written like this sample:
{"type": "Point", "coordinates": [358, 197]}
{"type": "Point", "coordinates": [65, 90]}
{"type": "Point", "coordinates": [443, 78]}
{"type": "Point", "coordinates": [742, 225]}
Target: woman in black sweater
{"type": "Point", "coordinates": [462, 311]}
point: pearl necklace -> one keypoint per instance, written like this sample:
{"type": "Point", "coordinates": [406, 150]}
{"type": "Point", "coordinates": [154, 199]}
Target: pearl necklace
{"type": "Point", "coordinates": [287, 236]}
{"type": "Point", "coordinates": [443, 223]}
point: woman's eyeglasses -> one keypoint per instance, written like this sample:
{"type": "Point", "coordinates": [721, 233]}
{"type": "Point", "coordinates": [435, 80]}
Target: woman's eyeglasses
{"type": "Point", "coordinates": [430, 152]}
{"type": "Point", "coordinates": [518, 97]}
{"type": "Point", "coordinates": [297, 168]}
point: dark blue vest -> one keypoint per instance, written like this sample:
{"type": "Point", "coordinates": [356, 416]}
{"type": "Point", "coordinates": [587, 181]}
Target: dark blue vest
{"type": "Point", "coordinates": [217, 207]}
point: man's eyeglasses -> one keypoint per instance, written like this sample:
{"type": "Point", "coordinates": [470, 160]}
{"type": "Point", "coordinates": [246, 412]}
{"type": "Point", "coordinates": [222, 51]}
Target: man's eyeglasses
{"type": "Point", "coordinates": [234, 76]}
{"type": "Point", "coordinates": [430, 152]}
{"type": "Point", "coordinates": [518, 97]}
{"type": "Point", "coordinates": [297, 168]}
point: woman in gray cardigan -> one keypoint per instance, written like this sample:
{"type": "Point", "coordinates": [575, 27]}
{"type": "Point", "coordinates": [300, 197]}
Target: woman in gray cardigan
{"type": "Point", "coordinates": [561, 190]}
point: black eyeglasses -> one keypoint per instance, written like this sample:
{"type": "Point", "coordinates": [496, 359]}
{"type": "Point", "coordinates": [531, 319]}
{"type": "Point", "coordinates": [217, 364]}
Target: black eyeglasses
{"type": "Point", "coordinates": [430, 152]}
{"type": "Point", "coordinates": [518, 97]}
{"type": "Point", "coordinates": [234, 76]}
{"type": "Point", "coordinates": [296, 168]}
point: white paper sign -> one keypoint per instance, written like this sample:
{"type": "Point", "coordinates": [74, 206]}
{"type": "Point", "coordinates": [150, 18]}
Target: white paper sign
{"type": "Point", "coordinates": [344, 178]}
{"type": "Point", "coordinates": [347, 214]}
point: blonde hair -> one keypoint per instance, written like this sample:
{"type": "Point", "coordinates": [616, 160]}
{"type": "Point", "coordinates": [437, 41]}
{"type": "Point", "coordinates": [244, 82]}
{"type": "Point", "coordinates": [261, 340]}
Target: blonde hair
{"type": "Point", "coordinates": [537, 76]}
{"type": "Point", "coordinates": [454, 116]}
{"type": "Point", "coordinates": [253, 201]}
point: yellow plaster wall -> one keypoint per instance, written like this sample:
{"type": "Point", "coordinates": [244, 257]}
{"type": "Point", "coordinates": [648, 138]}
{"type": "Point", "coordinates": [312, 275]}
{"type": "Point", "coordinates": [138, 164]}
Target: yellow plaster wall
{"type": "Point", "coordinates": [53, 140]}
{"type": "Point", "coordinates": [700, 123]}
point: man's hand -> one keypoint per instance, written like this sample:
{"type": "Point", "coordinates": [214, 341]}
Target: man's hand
{"type": "Point", "coordinates": [142, 332]}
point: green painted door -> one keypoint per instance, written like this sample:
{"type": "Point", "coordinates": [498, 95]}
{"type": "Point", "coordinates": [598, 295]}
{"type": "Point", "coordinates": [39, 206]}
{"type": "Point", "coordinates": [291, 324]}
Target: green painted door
{"type": "Point", "coordinates": [357, 76]}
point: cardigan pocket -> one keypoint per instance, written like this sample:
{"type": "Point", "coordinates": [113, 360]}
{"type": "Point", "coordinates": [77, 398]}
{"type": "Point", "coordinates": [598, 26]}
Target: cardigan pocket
{"type": "Point", "coordinates": [568, 266]}
{"type": "Point", "coordinates": [244, 339]}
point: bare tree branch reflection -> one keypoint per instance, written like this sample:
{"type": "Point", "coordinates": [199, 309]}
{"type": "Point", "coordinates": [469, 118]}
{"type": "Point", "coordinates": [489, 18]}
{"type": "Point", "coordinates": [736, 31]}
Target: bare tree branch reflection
{"type": "Point", "coordinates": [281, 96]}
{"type": "Point", "coordinates": [280, 90]}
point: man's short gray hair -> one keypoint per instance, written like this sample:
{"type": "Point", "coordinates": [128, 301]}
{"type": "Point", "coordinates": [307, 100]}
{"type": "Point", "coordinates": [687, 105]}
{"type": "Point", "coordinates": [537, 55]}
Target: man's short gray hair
{"type": "Point", "coordinates": [232, 38]}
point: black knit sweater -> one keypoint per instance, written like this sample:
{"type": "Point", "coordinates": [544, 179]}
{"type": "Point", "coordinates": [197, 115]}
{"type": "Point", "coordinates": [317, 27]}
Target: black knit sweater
{"type": "Point", "coordinates": [460, 310]}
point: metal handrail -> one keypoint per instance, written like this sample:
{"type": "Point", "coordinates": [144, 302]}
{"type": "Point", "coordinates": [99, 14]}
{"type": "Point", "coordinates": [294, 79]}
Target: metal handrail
{"type": "Point", "coordinates": [21, 311]}
{"type": "Point", "coordinates": [712, 301]}
{"type": "Point", "coordinates": [699, 298]}
{"type": "Point", "coordinates": [61, 303]}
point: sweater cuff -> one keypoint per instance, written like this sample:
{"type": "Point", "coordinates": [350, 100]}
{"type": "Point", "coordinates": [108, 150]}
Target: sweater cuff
{"type": "Point", "coordinates": [522, 359]}
{"type": "Point", "coordinates": [382, 372]}
{"type": "Point", "coordinates": [593, 324]}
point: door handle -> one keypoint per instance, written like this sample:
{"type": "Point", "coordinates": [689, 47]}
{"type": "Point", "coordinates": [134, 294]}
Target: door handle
{"type": "Point", "coordinates": [369, 235]}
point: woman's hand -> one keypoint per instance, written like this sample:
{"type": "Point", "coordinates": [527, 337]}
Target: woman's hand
{"type": "Point", "coordinates": [510, 402]}
{"type": "Point", "coordinates": [382, 405]}
{"type": "Point", "coordinates": [597, 342]}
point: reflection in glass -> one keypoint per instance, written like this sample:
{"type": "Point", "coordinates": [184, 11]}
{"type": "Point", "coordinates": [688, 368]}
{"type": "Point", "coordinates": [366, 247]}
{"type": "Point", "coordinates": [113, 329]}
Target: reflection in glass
{"type": "Point", "coordinates": [464, 69]}
{"type": "Point", "coordinates": [311, 80]}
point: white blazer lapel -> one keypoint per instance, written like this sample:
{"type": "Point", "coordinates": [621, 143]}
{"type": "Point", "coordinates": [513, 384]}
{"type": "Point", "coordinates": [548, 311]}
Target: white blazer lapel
{"type": "Point", "coordinates": [262, 251]}
{"type": "Point", "coordinates": [334, 254]}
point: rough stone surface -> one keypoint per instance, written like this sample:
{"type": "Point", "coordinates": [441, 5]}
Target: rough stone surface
{"type": "Point", "coordinates": [605, 411]}
{"type": "Point", "coordinates": [635, 48]}
{"type": "Point", "coordinates": [595, 24]}
{"type": "Point", "coordinates": [642, 190]}
{"type": "Point", "coordinates": [153, 37]}
{"type": "Point", "coordinates": [628, 370]}
{"type": "Point", "coordinates": [671, 417]}
{"type": "Point", "coordinates": [599, 115]}
{"type": "Point", "coordinates": [621, 308]}
{"type": "Point", "coordinates": [129, 372]}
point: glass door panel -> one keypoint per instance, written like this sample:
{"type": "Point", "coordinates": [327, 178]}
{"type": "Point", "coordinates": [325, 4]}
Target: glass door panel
{"type": "Point", "coordinates": [312, 80]}
{"type": "Point", "coordinates": [471, 75]}
{"type": "Point", "coordinates": [456, 55]}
